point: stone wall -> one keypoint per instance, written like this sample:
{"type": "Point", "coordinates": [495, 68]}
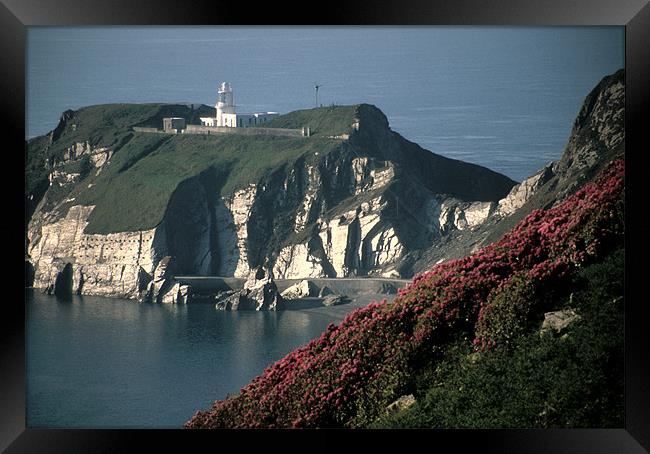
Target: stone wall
{"type": "Point", "coordinates": [199, 129]}
{"type": "Point", "coordinates": [143, 129]}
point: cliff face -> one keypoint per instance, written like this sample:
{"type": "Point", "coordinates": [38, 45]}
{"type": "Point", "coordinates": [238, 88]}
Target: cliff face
{"type": "Point", "coordinates": [111, 265]}
{"type": "Point", "coordinates": [597, 138]}
{"type": "Point", "coordinates": [354, 205]}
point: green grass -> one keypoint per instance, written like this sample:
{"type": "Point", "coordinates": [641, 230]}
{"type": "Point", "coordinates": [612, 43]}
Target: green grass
{"type": "Point", "coordinates": [322, 121]}
{"type": "Point", "coordinates": [36, 173]}
{"type": "Point", "coordinates": [105, 125]}
{"type": "Point", "coordinates": [543, 381]}
{"type": "Point", "coordinates": [133, 189]}
{"type": "Point", "coordinates": [132, 192]}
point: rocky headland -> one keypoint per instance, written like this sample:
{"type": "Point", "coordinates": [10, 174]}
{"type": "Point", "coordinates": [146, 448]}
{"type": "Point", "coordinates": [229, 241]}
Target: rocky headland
{"type": "Point", "coordinates": [121, 213]}
{"type": "Point", "coordinates": [126, 211]}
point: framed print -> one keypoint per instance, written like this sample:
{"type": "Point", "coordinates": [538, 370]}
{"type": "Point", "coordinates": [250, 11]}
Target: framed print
{"type": "Point", "coordinates": [413, 216]}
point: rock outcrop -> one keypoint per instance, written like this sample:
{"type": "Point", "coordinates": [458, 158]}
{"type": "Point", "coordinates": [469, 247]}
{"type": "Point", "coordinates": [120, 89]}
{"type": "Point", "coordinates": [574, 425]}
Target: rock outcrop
{"type": "Point", "coordinates": [63, 284]}
{"type": "Point", "coordinates": [400, 404]}
{"type": "Point", "coordinates": [302, 289]}
{"type": "Point", "coordinates": [335, 300]}
{"type": "Point", "coordinates": [522, 192]}
{"type": "Point", "coordinates": [558, 321]}
{"type": "Point", "coordinates": [259, 293]}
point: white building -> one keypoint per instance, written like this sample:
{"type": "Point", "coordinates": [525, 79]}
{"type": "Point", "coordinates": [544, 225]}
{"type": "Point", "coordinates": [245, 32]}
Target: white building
{"type": "Point", "coordinates": [226, 115]}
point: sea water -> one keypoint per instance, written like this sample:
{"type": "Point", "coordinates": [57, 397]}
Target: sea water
{"type": "Point", "coordinates": [501, 97]}
{"type": "Point", "coordinates": [110, 362]}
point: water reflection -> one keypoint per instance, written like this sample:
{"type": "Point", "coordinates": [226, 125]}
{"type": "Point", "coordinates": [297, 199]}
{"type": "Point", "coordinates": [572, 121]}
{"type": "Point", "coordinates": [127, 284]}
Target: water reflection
{"type": "Point", "coordinates": [101, 362]}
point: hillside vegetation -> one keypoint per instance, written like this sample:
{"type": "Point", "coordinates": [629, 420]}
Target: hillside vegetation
{"type": "Point", "coordinates": [534, 379]}
{"type": "Point", "coordinates": [465, 339]}
{"type": "Point", "coordinates": [132, 191]}
{"type": "Point", "coordinates": [322, 121]}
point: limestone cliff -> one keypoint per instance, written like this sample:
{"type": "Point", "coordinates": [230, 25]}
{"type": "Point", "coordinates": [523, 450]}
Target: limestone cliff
{"type": "Point", "coordinates": [143, 208]}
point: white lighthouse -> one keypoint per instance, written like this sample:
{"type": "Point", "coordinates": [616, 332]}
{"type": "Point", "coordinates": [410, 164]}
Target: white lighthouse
{"type": "Point", "coordinates": [225, 106]}
{"type": "Point", "coordinates": [226, 115]}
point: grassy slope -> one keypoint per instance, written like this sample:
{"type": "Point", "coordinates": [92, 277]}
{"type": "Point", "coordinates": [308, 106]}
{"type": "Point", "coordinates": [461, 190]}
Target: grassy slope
{"type": "Point", "coordinates": [323, 121]}
{"type": "Point", "coordinates": [132, 191]}
{"type": "Point", "coordinates": [104, 125]}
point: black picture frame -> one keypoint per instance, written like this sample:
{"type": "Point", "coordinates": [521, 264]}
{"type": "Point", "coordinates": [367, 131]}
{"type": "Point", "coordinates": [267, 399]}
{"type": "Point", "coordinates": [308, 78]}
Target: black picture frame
{"type": "Point", "coordinates": [16, 15]}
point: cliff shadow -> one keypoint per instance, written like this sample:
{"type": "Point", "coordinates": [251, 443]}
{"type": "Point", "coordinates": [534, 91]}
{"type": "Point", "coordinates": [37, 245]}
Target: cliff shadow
{"type": "Point", "coordinates": [224, 248]}
{"type": "Point", "coordinates": [406, 211]}
{"type": "Point", "coordinates": [273, 212]}
{"type": "Point", "coordinates": [223, 251]}
{"type": "Point", "coordinates": [198, 228]}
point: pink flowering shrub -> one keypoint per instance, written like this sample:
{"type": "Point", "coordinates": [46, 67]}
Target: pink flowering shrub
{"type": "Point", "coordinates": [348, 376]}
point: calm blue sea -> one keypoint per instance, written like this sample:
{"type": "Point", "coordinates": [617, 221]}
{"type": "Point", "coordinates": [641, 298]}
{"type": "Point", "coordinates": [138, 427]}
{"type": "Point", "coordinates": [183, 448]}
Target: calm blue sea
{"type": "Point", "coordinates": [502, 97]}
{"type": "Point", "coordinates": [109, 362]}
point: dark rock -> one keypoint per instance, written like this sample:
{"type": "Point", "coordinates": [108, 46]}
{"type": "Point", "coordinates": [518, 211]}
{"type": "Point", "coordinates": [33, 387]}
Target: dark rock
{"type": "Point", "coordinates": [29, 274]}
{"type": "Point", "coordinates": [233, 300]}
{"type": "Point", "coordinates": [388, 289]}
{"type": "Point", "coordinates": [265, 295]}
{"type": "Point", "coordinates": [335, 300]}
{"type": "Point", "coordinates": [257, 294]}
{"type": "Point", "coordinates": [325, 291]}
{"type": "Point", "coordinates": [63, 282]}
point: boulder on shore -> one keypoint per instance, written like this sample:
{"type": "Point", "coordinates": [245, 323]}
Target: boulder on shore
{"type": "Point", "coordinates": [260, 293]}
{"type": "Point", "coordinates": [232, 300]}
{"type": "Point", "coordinates": [335, 300]}
{"type": "Point", "coordinates": [302, 289]}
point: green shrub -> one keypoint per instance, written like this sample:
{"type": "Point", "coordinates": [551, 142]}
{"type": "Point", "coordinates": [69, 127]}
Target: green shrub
{"type": "Point", "coordinates": [507, 314]}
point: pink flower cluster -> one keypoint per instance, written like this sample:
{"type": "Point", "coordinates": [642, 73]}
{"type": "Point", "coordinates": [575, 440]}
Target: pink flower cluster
{"type": "Point", "coordinates": [349, 374]}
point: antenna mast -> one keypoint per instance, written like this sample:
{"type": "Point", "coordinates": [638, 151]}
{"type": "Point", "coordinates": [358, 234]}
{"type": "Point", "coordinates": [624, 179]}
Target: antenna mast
{"type": "Point", "coordinates": [316, 86]}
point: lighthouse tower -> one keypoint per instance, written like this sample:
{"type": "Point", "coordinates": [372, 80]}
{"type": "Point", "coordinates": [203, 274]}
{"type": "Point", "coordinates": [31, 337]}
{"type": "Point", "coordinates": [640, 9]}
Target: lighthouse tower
{"type": "Point", "coordinates": [225, 106]}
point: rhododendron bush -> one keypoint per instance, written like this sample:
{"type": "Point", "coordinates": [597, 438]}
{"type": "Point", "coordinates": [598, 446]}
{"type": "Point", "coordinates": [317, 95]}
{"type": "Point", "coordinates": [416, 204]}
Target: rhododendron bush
{"type": "Point", "coordinates": [348, 376]}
